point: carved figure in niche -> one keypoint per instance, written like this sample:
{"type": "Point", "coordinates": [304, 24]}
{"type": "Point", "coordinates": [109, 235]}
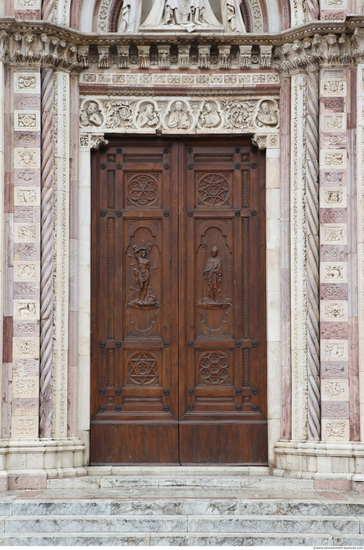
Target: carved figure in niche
{"type": "Point", "coordinates": [232, 16]}
{"type": "Point", "coordinates": [146, 298]}
{"type": "Point", "coordinates": [181, 15]}
{"type": "Point", "coordinates": [148, 118]}
{"type": "Point", "coordinates": [213, 276]}
{"type": "Point", "coordinates": [267, 115]}
{"type": "Point", "coordinates": [130, 16]}
{"type": "Point", "coordinates": [91, 115]}
{"type": "Point", "coordinates": [178, 117]}
{"type": "Point", "coordinates": [209, 117]}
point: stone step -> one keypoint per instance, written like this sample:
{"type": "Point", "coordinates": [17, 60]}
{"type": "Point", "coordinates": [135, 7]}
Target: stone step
{"type": "Point", "coordinates": [180, 539]}
{"type": "Point", "coordinates": [129, 481]}
{"type": "Point", "coordinates": [182, 506]}
{"type": "Point", "coordinates": [182, 524]}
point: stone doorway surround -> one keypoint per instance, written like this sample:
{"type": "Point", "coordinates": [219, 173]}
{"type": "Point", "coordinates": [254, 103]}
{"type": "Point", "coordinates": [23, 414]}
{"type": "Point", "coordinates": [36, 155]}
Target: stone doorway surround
{"type": "Point", "coordinates": [84, 89]}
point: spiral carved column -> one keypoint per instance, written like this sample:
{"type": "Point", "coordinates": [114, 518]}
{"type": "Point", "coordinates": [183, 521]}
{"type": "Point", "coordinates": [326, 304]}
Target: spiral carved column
{"type": "Point", "coordinates": [47, 10]}
{"type": "Point", "coordinates": [46, 290]}
{"type": "Point", "coordinates": [314, 414]}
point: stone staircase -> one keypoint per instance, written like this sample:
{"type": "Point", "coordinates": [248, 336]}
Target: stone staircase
{"type": "Point", "coordinates": [139, 509]}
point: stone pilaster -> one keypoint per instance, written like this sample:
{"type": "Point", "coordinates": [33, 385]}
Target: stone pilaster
{"type": "Point", "coordinates": [61, 120]}
{"type": "Point", "coordinates": [334, 256]}
{"type": "Point", "coordinates": [26, 254]}
{"type": "Point", "coordinates": [299, 303]}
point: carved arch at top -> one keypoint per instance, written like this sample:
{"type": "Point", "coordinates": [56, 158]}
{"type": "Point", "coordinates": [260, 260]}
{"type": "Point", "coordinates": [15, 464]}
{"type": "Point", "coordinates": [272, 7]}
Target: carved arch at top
{"type": "Point", "coordinates": [104, 15]}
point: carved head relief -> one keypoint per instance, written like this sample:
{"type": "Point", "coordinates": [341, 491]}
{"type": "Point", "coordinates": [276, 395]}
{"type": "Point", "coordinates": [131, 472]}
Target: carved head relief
{"type": "Point", "coordinates": [267, 115]}
{"type": "Point", "coordinates": [91, 114]}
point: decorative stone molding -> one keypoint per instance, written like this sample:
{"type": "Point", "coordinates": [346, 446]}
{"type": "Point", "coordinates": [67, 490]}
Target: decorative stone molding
{"type": "Point", "coordinates": [178, 115]}
{"type": "Point", "coordinates": [41, 43]}
{"type": "Point", "coordinates": [49, 458]}
{"type": "Point", "coordinates": [333, 459]}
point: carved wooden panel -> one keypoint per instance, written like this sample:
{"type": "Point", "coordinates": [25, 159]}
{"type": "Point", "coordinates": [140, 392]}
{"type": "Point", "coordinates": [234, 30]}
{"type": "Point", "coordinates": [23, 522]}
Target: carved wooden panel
{"type": "Point", "coordinates": [178, 303]}
{"type": "Point", "coordinates": [222, 350]}
{"type": "Point", "coordinates": [135, 342]}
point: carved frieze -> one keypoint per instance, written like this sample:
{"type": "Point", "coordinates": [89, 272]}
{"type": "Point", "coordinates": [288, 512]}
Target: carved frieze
{"type": "Point", "coordinates": [178, 115]}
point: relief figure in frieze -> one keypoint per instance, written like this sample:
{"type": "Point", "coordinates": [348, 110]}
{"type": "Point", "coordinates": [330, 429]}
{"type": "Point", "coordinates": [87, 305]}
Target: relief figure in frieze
{"type": "Point", "coordinates": [209, 117]}
{"type": "Point", "coordinates": [148, 118]}
{"type": "Point", "coordinates": [267, 115]}
{"type": "Point", "coordinates": [178, 117]}
{"type": "Point", "coordinates": [146, 297]}
{"type": "Point", "coordinates": [91, 115]}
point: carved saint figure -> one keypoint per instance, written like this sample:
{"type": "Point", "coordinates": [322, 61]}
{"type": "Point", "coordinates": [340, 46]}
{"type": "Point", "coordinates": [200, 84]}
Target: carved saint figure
{"type": "Point", "coordinates": [267, 116]}
{"type": "Point", "coordinates": [142, 276]}
{"type": "Point", "coordinates": [213, 276]}
{"type": "Point", "coordinates": [232, 17]}
{"type": "Point", "coordinates": [149, 117]}
{"type": "Point", "coordinates": [178, 118]}
{"type": "Point", "coordinates": [210, 117]}
{"type": "Point", "coordinates": [182, 14]}
{"type": "Point", "coordinates": [91, 116]}
{"type": "Point", "coordinates": [130, 16]}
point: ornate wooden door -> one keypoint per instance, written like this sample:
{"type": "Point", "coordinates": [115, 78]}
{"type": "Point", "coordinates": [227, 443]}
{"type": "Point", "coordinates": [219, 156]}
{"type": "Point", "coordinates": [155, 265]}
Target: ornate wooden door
{"type": "Point", "coordinates": [178, 303]}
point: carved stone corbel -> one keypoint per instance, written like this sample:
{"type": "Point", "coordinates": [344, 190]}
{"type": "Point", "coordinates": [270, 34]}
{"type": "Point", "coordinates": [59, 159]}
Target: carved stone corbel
{"type": "Point", "coordinates": [164, 56]}
{"type": "Point", "coordinates": [204, 57]}
{"type": "Point", "coordinates": [184, 57]}
{"type": "Point", "coordinates": [245, 56]}
{"type": "Point", "coordinates": [123, 56]}
{"type": "Point", "coordinates": [104, 57]}
{"type": "Point", "coordinates": [143, 57]}
{"type": "Point", "coordinates": [260, 141]}
{"type": "Point", "coordinates": [83, 56]}
{"type": "Point", "coordinates": [224, 57]}
{"type": "Point", "coordinates": [97, 140]}
{"type": "Point", "coordinates": [266, 57]}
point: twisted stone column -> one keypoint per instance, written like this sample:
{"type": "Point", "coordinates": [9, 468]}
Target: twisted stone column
{"type": "Point", "coordinates": [312, 201]}
{"type": "Point", "coordinates": [46, 289]}
{"type": "Point", "coordinates": [47, 10]}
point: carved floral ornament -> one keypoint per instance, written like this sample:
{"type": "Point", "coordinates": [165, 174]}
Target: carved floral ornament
{"type": "Point", "coordinates": [183, 115]}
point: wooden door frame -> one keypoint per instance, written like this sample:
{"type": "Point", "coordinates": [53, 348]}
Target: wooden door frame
{"type": "Point", "coordinates": [273, 280]}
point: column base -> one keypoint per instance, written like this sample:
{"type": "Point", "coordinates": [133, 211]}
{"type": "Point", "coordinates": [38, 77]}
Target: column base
{"type": "Point", "coordinates": [27, 464]}
{"type": "Point", "coordinates": [333, 465]}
